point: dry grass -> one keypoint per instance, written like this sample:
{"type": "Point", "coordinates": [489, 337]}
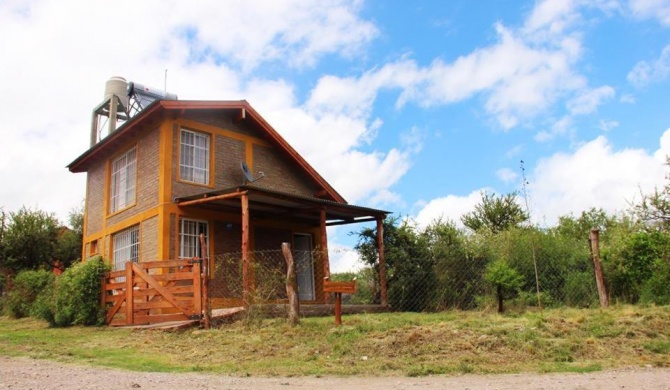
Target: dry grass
{"type": "Point", "coordinates": [379, 344]}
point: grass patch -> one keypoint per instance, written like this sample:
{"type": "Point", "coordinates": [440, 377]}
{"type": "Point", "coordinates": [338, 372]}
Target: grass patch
{"type": "Point", "coordinates": [413, 344]}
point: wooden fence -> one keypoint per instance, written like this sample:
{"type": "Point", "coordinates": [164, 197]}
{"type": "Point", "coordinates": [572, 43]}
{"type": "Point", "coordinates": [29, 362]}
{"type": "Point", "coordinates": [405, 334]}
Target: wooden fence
{"type": "Point", "coordinates": [154, 292]}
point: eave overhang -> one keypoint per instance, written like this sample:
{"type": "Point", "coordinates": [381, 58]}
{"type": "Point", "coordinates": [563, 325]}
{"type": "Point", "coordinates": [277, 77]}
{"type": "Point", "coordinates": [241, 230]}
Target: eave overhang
{"type": "Point", "coordinates": [158, 109]}
{"type": "Point", "coordinates": [271, 204]}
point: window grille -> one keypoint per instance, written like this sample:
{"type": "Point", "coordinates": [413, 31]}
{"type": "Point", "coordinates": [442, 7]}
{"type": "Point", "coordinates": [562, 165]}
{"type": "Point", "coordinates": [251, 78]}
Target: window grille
{"type": "Point", "coordinates": [189, 238]}
{"type": "Point", "coordinates": [194, 157]}
{"type": "Point", "coordinates": [126, 247]}
{"type": "Point", "coordinates": [123, 180]}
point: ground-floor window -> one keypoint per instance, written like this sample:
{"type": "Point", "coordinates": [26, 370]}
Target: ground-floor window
{"type": "Point", "coordinates": [189, 237]}
{"type": "Point", "coordinates": [126, 247]}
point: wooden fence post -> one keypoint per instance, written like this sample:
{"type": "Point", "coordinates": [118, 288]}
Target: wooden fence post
{"type": "Point", "coordinates": [130, 300]}
{"type": "Point", "coordinates": [595, 256]}
{"type": "Point", "coordinates": [207, 315]}
{"type": "Point", "coordinates": [103, 294]}
{"type": "Point", "coordinates": [291, 285]}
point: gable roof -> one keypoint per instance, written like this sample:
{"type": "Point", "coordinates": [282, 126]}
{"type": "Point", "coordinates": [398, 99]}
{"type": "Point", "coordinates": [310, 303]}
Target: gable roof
{"type": "Point", "coordinates": [160, 108]}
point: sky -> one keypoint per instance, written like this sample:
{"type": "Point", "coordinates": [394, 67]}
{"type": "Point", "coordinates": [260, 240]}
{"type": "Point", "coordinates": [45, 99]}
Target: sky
{"type": "Point", "coordinates": [412, 107]}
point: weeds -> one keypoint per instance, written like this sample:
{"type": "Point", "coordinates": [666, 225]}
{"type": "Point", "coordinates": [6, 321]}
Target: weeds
{"type": "Point", "coordinates": [415, 344]}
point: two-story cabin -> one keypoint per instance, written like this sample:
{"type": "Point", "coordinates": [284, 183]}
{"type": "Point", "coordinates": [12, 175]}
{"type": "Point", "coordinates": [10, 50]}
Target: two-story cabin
{"type": "Point", "coordinates": [176, 169]}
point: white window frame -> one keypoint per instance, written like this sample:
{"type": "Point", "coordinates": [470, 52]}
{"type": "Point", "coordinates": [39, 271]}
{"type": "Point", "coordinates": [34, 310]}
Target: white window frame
{"type": "Point", "coordinates": [123, 179]}
{"type": "Point", "coordinates": [126, 247]}
{"type": "Point", "coordinates": [189, 237]}
{"type": "Point", "coordinates": [194, 156]}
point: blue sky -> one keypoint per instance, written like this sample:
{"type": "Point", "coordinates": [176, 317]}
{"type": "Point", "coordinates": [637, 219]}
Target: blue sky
{"type": "Point", "coordinates": [414, 107]}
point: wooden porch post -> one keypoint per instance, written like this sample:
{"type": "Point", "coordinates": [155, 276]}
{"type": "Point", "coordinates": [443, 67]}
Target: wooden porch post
{"type": "Point", "coordinates": [382, 262]}
{"type": "Point", "coordinates": [246, 271]}
{"type": "Point", "coordinates": [324, 250]}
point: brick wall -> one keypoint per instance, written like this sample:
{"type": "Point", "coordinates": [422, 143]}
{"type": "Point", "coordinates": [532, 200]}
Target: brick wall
{"type": "Point", "coordinates": [222, 121]}
{"type": "Point", "coordinates": [280, 173]}
{"type": "Point", "coordinates": [95, 198]}
{"type": "Point", "coordinates": [149, 239]}
{"type": "Point", "coordinates": [146, 192]}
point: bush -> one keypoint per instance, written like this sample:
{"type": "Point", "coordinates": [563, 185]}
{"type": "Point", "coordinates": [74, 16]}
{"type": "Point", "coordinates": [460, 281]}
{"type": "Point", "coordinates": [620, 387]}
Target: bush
{"type": "Point", "coordinates": [75, 298]}
{"type": "Point", "coordinates": [26, 287]}
{"type": "Point", "coordinates": [657, 288]}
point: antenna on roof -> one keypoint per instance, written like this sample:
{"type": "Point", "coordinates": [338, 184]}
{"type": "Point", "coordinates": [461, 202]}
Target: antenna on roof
{"type": "Point", "coordinates": [248, 176]}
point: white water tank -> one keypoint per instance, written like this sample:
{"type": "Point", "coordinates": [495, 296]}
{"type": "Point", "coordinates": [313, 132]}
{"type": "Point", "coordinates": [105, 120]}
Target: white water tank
{"type": "Point", "coordinates": [116, 86]}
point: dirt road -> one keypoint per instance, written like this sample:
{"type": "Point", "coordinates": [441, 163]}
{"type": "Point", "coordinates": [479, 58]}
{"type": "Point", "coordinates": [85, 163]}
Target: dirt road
{"type": "Point", "coordinates": [21, 373]}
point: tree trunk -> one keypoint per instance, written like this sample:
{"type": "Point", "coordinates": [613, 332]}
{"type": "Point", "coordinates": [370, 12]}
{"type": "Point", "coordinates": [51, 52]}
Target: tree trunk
{"type": "Point", "coordinates": [501, 309]}
{"type": "Point", "coordinates": [595, 256]}
{"type": "Point", "coordinates": [291, 285]}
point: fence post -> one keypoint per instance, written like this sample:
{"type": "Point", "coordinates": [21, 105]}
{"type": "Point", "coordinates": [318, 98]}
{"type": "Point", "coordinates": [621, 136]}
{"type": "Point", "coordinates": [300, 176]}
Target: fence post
{"type": "Point", "coordinates": [103, 294]}
{"type": "Point", "coordinates": [246, 269]}
{"type": "Point", "coordinates": [595, 256]}
{"type": "Point", "coordinates": [207, 315]}
{"type": "Point", "coordinates": [197, 287]}
{"type": "Point", "coordinates": [291, 285]}
{"type": "Point", "coordinates": [130, 310]}
{"type": "Point", "coordinates": [382, 263]}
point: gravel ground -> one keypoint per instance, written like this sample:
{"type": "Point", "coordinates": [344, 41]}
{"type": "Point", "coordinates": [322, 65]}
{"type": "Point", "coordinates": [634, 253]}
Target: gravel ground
{"type": "Point", "coordinates": [22, 373]}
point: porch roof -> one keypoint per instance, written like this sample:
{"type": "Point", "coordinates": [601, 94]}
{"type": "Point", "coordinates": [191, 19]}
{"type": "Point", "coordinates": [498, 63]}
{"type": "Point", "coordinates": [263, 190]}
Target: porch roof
{"type": "Point", "coordinates": [273, 204]}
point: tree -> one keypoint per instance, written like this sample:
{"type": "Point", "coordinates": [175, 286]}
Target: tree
{"type": "Point", "coordinates": [504, 279]}
{"type": "Point", "coordinates": [578, 228]}
{"type": "Point", "coordinates": [409, 266]}
{"type": "Point", "coordinates": [68, 245]}
{"type": "Point", "coordinates": [29, 240]}
{"type": "Point", "coordinates": [457, 268]}
{"type": "Point", "coordinates": [495, 213]}
{"type": "Point", "coordinates": [654, 209]}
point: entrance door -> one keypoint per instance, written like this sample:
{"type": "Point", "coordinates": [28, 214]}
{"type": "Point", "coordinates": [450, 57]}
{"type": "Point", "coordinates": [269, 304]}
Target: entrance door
{"type": "Point", "coordinates": [304, 266]}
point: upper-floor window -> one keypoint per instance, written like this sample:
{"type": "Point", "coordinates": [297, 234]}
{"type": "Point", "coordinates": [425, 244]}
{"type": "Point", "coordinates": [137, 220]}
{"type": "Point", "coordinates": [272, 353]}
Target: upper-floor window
{"type": "Point", "coordinates": [126, 247]}
{"type": "Point", "coordinates": [189, 238]}
{"type": "Point", "coordinates": [124, 169]}
{"type": "Point", "coordinates": [194, 157]}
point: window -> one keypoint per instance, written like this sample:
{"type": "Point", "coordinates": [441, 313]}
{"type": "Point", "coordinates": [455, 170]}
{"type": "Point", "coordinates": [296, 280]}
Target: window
{"type": "Point", "coordinates": [189, 238]}
{"type": "Point", "coordinates": [126, 247]}
{"type": "Point", "coordinates": [123, 181]}
{"type": "Point", "coordinates": [194, 157]}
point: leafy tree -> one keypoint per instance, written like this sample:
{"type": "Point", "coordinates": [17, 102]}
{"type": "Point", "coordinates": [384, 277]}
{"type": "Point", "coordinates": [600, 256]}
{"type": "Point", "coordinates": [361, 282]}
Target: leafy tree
{"type": "Point", "coordinates": [29, 240]}
{"type": "Point", "coordinates": [579, 228]}
{"type": "Point", "coordinates": [654, 209]}
{"type": "Point", "coordinates": [504, 279]}
{"type": "Point", "coordinates": [495, 213]}
{"type": "Point", "coordinates": [631, 260]}
{"type": "Point", "coordinates": [409, 267]}
{"type": "Point", "coordinates": [69, 243]}
{"type": "Point", "coordinates": [458, 267]}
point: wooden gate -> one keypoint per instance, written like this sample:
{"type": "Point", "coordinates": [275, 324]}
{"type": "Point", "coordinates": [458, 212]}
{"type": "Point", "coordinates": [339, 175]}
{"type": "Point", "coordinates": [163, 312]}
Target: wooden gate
{"type": "Point", "coordinates": [153, 292]}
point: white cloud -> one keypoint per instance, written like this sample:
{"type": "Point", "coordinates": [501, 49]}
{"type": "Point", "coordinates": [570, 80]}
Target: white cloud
{"type": "Point", "coordinates": [558, 128]}
{"type": "Point", "coordinates": [448, 208]}
{"type": "Point", "coordinates": [607, 125]}
{"type": "Point", "coordinates": [58, 59]}
{"type": "Point", "coordinates": [645, 72]}
{"type": "Point", "coordinates": [343, 259]}
{"type": "Point", "coordinates": [507, 175]}
{"type": "Point", "coordinates": [594, 175]}
{"type": "Point", "coordinates": [651, 9]}
{"type": "Point", "coordinates": [589, 100]}
{"type": "Point", "coordinates": [627, 98]}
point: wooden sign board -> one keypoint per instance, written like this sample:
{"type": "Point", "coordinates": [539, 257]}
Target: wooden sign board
{"type": "Point", "coordinates": [339, 287]}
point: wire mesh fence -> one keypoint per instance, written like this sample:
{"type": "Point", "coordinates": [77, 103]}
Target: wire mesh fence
{"type": "Point", "coordinates": [452, 281]}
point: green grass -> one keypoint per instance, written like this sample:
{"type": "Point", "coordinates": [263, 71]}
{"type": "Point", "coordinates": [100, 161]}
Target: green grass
{"type": "Point", "coordinates": [412, 344]}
